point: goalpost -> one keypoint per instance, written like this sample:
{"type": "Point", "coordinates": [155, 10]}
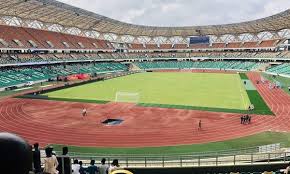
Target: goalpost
{"type": "Point", "coordinates": [127, 97]}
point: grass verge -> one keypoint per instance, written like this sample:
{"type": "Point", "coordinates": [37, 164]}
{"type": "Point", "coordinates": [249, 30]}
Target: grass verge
{"type": "Point", "coordinates": [261, 108]}
{"type": "Point", "coordinates": [243, 76]}
{"type": "Point", "coordinates": [265, 138]}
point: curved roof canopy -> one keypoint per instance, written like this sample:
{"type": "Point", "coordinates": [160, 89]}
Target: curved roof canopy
{"type": "Point", "coordinates": [54, 12]}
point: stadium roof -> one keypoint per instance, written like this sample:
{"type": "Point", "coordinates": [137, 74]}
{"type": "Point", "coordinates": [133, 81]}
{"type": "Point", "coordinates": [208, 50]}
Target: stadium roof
{"type": "Point", "coordinates": [54, 12]}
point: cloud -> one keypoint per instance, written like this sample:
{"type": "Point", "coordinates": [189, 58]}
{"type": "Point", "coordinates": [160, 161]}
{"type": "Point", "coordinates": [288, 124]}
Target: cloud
{"type": "Point", "coordinates": [182, 12]}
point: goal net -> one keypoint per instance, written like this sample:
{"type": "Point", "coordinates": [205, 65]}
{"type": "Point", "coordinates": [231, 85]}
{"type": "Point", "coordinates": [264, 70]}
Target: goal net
{"type": "Point", "coordinates": [127, 97]}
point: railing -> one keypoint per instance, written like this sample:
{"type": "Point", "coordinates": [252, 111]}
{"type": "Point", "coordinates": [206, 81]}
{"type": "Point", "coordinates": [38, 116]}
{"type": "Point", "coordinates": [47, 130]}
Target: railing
{"type": "Point", "coordinates": [268, 154]}
{"type": "Point", "coordinates": [192, 160]}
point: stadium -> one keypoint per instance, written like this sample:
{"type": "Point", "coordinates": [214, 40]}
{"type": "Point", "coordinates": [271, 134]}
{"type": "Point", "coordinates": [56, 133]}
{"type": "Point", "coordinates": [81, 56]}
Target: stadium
{"type": "Point", "coordinates": [193, 99]}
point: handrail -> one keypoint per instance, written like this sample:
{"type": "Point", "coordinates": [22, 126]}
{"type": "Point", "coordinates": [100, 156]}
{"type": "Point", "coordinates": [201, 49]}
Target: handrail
{"type": "Point", "coordinates": [192, 161]}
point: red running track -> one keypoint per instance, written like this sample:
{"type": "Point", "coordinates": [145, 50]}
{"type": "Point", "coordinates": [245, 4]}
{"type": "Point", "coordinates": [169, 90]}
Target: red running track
{"type": "Point", "coordinates": [51, 122]}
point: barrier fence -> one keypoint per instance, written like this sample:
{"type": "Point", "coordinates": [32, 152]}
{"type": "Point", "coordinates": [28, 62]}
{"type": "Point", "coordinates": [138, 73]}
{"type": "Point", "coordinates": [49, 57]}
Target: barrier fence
{"type": "Point", "coordinates": [189, 160]}
{"type": "Point", "coordinates": [268, 154]}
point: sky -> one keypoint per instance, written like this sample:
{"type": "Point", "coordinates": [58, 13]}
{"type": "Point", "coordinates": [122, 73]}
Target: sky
{"type": "Point", "coordinates": [182, 12]}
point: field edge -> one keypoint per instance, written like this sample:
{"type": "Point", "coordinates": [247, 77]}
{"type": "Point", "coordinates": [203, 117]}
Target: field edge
{"type": "Point", "coordinates": [253, 141]}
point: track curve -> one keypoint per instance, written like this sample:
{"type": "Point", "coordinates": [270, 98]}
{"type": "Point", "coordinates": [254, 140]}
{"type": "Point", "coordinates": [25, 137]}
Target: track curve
{"type": "Point", "coordinates": [52, 122]}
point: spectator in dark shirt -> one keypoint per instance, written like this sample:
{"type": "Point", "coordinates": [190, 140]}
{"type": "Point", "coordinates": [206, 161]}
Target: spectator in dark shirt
{"type": "Point", "coordinates": [66, 159]}
{"type": "Point", "coordinates": [92, 169]}
{"type": "Point", "coordinates": [36, 158]}
{"type": "Point", "coordinates": [16, 157]}
{"type": "Point", "coordinates": [82, 169]}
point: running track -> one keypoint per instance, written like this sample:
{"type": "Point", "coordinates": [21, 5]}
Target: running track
{"type": "Point", "coordinates": [52, 122]}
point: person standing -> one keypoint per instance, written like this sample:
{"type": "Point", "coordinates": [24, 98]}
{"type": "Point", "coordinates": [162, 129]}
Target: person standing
{"type": "Point", "coordinates": [114, 166]}
{"type": "Point", "coordinates": [242, 119]}
{"type": "Point", "coordinates": [84, 112]}
{"type": "Point", "coordinates": [82, 169]}
{"type": "Point", "coordinates": [50, 162]}
{"type": "Point", "coordinates": [247, 119]}
{"type": "Point", "coordinates": [36, 158]}
{"type": "Point", "coordinates": [199, 125]}
{"type": "Point", "coordinates": [103, 168]}
{"type": "Point", "coordinates": [75, 167]}
{"type": "Point", "coordinates": [64, 159]}
{"type": "Point", "coordinates": [92, 169]}
{"type": "Point", "coordinates": [287, 170]}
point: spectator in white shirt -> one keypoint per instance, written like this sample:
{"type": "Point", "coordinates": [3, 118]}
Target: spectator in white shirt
{"type": "Point", "coordinates": [50, 162]}
{"type": "Point", "coordinates": [103, 168]}
{"type": "Point", "coordinates": [114, 166]}
{"type": "Point", "coordinates": [76, 167]}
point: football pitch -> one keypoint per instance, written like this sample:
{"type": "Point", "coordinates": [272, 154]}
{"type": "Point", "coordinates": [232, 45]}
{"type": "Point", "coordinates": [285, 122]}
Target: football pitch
{"type": "Point", "coordinates": [185, 89]}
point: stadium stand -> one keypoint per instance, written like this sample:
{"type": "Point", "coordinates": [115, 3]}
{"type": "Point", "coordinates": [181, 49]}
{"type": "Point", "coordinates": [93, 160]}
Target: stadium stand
{"type": "Point", "coordinates": [199, 46]}
{"type": "Point", "coordinates": [218, 45]}
{"type": "Point", "coordinates": [268, 43]}
{"type": "Point", "coordinates": [19, 37]}
{"type": "Point", "coordinates": [166, 46]}
{"type": "Point", "coordinates": [180, 46]}
{"type": "Point", "coordinates": [280, 69]}
{"type": "Point", "coordinates": [11, 58]}
{"type": "Point", "coordinates": [250, 45]}
{"type": "Point", "coordinates": [220, 65]}
{"type": "Point", "coordinates": [21, 76]}
{"type": "Point", "coordinates": [233, 45]}
{"type": "Point", "coordinates": [30, 55]}
{"type": "Point", "coordinates": [152, 46]}
{"type": "Point", "coordinates": [137, 46]}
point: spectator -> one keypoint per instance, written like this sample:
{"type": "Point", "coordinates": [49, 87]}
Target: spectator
{"type": "Point", "coordinates": [92, 169]}
{"type": "Point", "coordinates": [82, 169]}
{"type": "Point", "coordinates": [15, 153]}
{"type": "Point", "coordinates": [75, 167]}
{"type": "Point", "coordinates": [36, 158]}
{"type": "Point", "coordinates": [50, 162]}
{"type": "Point", "coordinates": [114, 166]}
{"type": "Point", "coordinates": [66, 159]}
{"type": "Point", "coordinates": [103, 169]}
{"type": "Point", "coordinates": [287, 170]}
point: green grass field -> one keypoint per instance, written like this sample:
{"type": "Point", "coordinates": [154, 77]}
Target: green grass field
{"type": "Point", "coordinates": [265, 138]}
{"type": "Point", "coordinates": [183, 89]}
